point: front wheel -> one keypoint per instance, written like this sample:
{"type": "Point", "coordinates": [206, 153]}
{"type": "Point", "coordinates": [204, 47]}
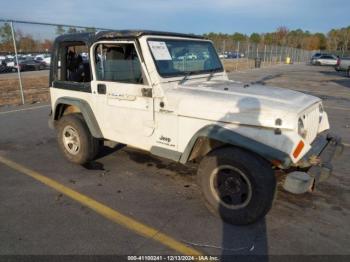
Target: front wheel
{"type": "Point", "coordinates": [237, 185]}
{"type": "Point", "coordinates": [75, 139]}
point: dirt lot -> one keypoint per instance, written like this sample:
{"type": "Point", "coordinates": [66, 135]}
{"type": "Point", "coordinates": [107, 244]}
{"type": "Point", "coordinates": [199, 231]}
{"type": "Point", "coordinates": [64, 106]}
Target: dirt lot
{"type": "Point", "coordinates": [35, 87]}
{"type": "Point", "coordinates": [35, 219]}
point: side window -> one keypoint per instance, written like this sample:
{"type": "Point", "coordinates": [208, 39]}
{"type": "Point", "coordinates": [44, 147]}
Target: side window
{"type": "Point", "coordinates": [73, 63]}
{"type": "Point", "coordinates": [118, 63]}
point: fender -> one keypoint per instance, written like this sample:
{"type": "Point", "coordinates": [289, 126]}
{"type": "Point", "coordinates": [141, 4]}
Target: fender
{"type": "Point", "coordinates": [232, 138]}
{"type": "Point", "coordinates": [86, 111]}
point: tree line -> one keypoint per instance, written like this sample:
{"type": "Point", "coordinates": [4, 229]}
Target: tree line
{"type": "Point", "coordinates": [334, 41]}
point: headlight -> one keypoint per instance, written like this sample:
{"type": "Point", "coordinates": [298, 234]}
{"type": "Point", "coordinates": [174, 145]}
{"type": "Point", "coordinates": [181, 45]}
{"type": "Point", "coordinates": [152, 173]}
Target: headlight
{"type": "Point", "coordinates": [320, 109]}
{"type": "Point", "coordinates": [301, 128]}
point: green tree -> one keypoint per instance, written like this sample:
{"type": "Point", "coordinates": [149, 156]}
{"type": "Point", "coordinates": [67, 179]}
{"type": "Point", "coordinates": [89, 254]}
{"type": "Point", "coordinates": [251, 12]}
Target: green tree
{"type": "Point", "coordinates": [6, 42]}
{"type": "Point", "coordinates": [239, 37]}
{"type": "Point", "coordinates": [255, 38]}
{"type": "Point", "coordinates": [269, 38]}
{"type": "Point", "coordinates": [60, 30]}
{"type": "Point", "coordinates": [322, 41]}
{"type": "Point", "coordinates": [5, 33]}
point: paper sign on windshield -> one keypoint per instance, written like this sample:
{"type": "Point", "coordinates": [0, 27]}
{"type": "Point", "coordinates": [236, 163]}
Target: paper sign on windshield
{"type": "Point", "coordinates": [160, 50]}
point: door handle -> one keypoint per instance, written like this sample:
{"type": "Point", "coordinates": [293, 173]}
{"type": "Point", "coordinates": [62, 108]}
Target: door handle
{"type": "Point", "coordinates": [101, 89]}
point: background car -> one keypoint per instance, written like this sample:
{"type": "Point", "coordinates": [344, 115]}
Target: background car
{"type": "Point", "coordinates": [29, 64]}
{"type": "Point", "coordinates": [222, 56]}
{"type": "Point", "coordinates": [44, 58]}
{"type": "Point", "coordinates": [325, 60]}
{"type": "Point", "coordinates": [316, 56]}
{"type": "Point", "coordinates": [343, 65]}
{"type": "Point", "coordinates": [234, 55]}
{"type": "Point", "coordinates": [10, 62]}
{"type": "Point", "coordinates": [6, 64]}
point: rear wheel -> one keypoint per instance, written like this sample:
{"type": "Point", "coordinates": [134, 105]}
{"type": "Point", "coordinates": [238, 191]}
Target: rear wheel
{"type": "Point", "coordinates": [75, 139]}
{"type": "Point", "coordinates": [237, 185]}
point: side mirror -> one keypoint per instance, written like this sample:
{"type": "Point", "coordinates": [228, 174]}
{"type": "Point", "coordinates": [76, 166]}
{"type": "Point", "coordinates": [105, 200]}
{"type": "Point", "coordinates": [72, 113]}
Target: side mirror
{"type": "Point", "coordinates": [146, 92]}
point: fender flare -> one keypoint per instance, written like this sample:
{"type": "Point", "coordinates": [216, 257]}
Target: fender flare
{"type": "Point", "coordinates": [86, 111]}
{"type": "Point", "coordinates": [233, 138]}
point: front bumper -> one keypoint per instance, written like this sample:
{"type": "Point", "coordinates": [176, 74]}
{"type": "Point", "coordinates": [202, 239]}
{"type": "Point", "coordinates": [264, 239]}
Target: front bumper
{"type": "Point", "coordinates": [318, 161]}
{"type": "Point", "coordinates": [325, 148]}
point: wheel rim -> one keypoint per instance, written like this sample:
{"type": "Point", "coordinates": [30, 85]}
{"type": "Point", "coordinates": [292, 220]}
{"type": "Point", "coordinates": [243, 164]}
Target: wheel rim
{"type": "Point", "coordinates": [71, 140]}
{"type": "Point", "coordinates": [230, 187]}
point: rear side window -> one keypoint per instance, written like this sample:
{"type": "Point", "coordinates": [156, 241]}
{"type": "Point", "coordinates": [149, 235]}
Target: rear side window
{"type": "Point", "coordinates": [118, 63]}
{"type": "Point", "coordinates": [327, 57]}
{"type": "Point", "coordinates": [73, 63]}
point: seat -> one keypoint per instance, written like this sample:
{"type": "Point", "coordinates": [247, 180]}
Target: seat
{"type": "Point", "coordinates": [114, 63]}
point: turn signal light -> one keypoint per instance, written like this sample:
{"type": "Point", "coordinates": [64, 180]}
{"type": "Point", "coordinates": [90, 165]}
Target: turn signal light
{"type": "Point", "coordinates": [298, 149]}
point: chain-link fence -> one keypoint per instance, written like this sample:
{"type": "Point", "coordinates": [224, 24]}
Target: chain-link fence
{"type": "Point", "coordinates": [241, 55]}
{"type": "Point", "coordinates": [25, 57]}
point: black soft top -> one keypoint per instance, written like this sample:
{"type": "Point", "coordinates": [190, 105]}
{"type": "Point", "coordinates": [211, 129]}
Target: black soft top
{"type": "Point", "coordinates": [90, 38]}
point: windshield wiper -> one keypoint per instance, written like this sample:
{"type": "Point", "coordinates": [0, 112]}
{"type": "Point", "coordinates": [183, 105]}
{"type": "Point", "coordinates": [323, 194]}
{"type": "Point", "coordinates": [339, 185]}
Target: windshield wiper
{"type": "Point", "coordinates": [184, 79]}
{"type": "Point", "coordinates": [212, 72]}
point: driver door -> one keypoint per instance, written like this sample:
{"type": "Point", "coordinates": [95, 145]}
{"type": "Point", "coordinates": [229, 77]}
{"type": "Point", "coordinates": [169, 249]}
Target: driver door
{"type": "Point", "coordinates": [122, 96]}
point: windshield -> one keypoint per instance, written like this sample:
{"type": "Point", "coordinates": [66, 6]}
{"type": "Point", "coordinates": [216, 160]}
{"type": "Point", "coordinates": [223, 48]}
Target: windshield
{"type": "Point", "coordinates": [182, 57]}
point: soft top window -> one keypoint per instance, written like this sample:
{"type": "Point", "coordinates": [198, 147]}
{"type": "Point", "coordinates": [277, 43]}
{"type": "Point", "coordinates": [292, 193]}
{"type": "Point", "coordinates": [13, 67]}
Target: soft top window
{"type": "Point", "coordinates": [72, 64]}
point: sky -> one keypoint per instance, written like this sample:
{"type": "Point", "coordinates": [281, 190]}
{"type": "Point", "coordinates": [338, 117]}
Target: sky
{"type": "Point", "coordinates": [191, 16]}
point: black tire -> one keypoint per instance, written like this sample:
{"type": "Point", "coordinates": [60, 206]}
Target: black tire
{"type": "Point", "coordinates": [250, 179]}
{"type": "Point", "coordinates": [318, 63]}
{"type": "Point", "coordinates": [88, 145]}
{"type": "Point", "coordinates": [348, 72]}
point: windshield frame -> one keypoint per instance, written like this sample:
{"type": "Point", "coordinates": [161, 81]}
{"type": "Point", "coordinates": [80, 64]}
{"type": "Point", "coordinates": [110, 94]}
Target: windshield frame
{"type": "Point", "coordinates": [184, 73]}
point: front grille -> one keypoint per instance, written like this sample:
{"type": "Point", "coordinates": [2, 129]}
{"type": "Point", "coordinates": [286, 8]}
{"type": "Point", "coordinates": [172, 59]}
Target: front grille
{"type": "Point", "coordinates": [311, 119]}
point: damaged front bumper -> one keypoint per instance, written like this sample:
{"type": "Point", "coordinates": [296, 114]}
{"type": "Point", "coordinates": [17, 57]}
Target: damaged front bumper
{"type": "Point", "coordinates": [327, 148]}
{"type": "Point", "coordinates": [318, 160]}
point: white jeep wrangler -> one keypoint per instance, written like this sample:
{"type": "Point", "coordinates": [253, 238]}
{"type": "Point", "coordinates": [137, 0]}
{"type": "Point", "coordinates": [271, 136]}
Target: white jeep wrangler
{"type": "Point", "coordinates": [168, 94]}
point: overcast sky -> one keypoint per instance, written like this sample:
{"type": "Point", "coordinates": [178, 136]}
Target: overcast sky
{"type": "Point", "coordinates": [188, 16]}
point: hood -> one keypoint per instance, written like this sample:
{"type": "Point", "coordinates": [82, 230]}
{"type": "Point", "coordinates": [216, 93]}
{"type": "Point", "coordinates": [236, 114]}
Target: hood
{"type": "Point", "coordinates": [233, 102]}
